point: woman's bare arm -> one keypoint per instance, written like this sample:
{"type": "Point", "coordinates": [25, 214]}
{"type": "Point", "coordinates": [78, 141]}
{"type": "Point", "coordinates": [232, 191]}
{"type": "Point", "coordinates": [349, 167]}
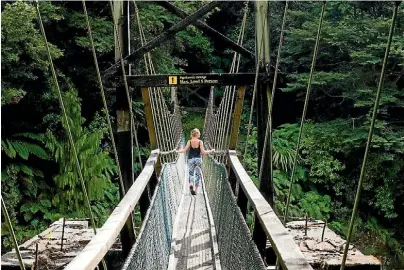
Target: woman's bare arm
{"type": "Point", "coordinates": [183, 150]}
{"type": "Point", "coordinates": [204, 152]}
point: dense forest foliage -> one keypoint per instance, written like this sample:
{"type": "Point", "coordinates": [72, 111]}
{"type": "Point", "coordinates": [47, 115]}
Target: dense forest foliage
{"type": "Point", "coordinates": [39, 181]}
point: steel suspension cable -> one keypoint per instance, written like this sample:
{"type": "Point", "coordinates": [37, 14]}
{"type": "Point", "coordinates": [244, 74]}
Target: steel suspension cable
{"type": "Point", "coordinates": [142, 41]}
{"type": "Point", "coordinates": [68, 129]}
{"type": "Point", "coordinates": [236, 70]}
{"type": "Point", "coordinates": [370, 135]}
{"type": "Point", "coordinates": [104, 100]}
{"type": "Point", "coordinates": [166, 122]}
{"type": "Point", "coordinates": [313, 63]}
{"type": "Point", "coordinates": [249, 125]}
{"type": "Point", "coordinates": [228, 100]}
{"type": "Point", "coordinates": [206, 128]}
{"type": "Point", "coordinates": [223, 107]}
{"type": "Point", "coordinates": [162, 120]}
{"type": "Point", "coordinates": [13, 237]}
{"type": "Point", "coordinates": [209, 119]}
{"type": "Point", "coordinates": [149, 70]}
{"type": "Point", "coordinates": [159, 115]}
{"type": "Point", "coordinates": [268, 130]}
{"type": "Point", "coordinates": [233, 88]}
{"type": "Point", "coordinates": [217, 132]}
{"type": "Point", "coordinates": [175, 121]}
{"type": "Point", "coordinates": [258, 62]}
{"type": "Point", "coordinates": [125, 81]}
{"type": "Point", "coordinates": [258, 48]}
{"type": "Point", "coordinates": [219, 124]}
{"type": "Point", "coordinates": [171, 127]}
{"type": "Point", "coordinates": [169, 119]}
{"type": "Point", "coordinates": [139, 156]}
{"type": "Point", "coordinates": [225, 116]}
{"type": "Point", "coordinates": [118, 44]}
{"type": "Point", "coordinates": [157, 126]}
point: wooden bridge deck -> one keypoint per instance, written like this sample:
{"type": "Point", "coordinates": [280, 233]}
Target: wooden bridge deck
{"type": "Point", "coordinates": [193, 246]}
{"type": "Point", "coordinates": [194, 243]}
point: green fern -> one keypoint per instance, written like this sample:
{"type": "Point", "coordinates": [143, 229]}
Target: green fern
{"type": "Point", "coordinates": [26, 169]}
{"type": "Point", "coordinates": [8, 149]}
{"type": "Point", "coordinates": [32, 136]}
{"type": "Point", "coordinates": [96, 166]}
{"type": "Point", "coordinates": [22, 145]}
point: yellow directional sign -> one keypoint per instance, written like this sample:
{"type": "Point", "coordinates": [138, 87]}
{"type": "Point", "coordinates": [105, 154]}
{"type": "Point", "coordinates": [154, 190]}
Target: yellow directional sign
{"type": "Point", "coordinates": [172, 80]}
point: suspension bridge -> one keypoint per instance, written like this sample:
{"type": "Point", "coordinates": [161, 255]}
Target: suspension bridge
{"type": "Point", "coordinates": [208, 230]}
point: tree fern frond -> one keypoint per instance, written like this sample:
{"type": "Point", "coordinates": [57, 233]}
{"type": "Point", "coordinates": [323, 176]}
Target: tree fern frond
{"type": "Point", "coordinates": [19, 147]}
{"type": "Point", "coordinates": [24, 149]}
{"type": "Point", "coordinates": [27, 170]}
{"type": "Point", "coordinates": [36, 150]}
{"type": "Point", "coordinates": [8, 149]}
{"type": "Point", "coordinates": [29, 135]}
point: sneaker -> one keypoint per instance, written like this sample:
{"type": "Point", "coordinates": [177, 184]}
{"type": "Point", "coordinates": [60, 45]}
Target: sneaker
{"type": "Point", "coordinates": [193, 192]}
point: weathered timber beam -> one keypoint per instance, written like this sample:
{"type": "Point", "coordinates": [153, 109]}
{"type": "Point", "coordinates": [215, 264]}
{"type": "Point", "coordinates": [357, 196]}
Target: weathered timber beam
{"type": "Point", "coordinates": [195, 79]}
{"type": "Point", "coordinates": [166, 35]}
{"type": "Point", "coordinates": [207, 29]}
{"type": "Point", "coordinates": [288, 253]}
{"type": "Point", "coordinates": [99, 245]}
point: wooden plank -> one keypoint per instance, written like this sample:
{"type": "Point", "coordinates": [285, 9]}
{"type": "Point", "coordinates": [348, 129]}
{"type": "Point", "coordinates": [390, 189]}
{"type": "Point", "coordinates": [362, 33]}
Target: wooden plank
{"type": "Point", "coordinates": [194, 79]}
{"type": "Point", "coordinates": [93, 253]}
{"type": "Point", "coordinates": [289, 254]}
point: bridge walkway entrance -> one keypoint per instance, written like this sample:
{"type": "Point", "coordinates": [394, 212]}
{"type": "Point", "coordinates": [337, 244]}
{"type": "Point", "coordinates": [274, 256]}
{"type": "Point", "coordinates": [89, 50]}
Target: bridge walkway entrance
{"type": "Point", "coordinates": [192, 245]}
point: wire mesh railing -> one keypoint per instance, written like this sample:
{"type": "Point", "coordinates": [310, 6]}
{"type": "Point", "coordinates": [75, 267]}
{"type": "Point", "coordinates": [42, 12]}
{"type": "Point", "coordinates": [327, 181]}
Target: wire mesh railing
{"type": "Point", "coordinates": [236, 248]}
{"type": "Point", "coordinates": [153, 245]}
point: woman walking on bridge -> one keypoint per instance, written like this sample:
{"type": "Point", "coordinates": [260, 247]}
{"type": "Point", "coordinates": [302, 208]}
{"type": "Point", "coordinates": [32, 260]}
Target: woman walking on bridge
{"type": "Point", "coordinates": [195, 146]}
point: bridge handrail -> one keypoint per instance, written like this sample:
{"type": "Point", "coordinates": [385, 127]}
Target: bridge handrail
{"type": "Point", "coordinates": [285, 248]}
{"type": "Point", "coordinates": [99, 245]}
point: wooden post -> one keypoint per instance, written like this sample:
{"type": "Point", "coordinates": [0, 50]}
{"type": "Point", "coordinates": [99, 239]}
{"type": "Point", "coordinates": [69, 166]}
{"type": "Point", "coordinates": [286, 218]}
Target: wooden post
{"type": "Point", "coordinates": [305, 224]}
{"type": "Point", "coordinates": [150, 123]}
{"type": "Point", "coordinates": [63, 234]}
{"type": "Point", "coordinates": [237, 117]}
{"type": "Point", "coordinates": [36, 266]}
{"type": "Point", "coordinates": [234, 132]}
{"type": "Point", "coordinates": [325, 225]}
{"type": "Point", "coordinates": [124, 136]}
{"type": "Point", "coordinates": [144, 200]}
{"type": "Point", "coordinates": [262, 105]}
